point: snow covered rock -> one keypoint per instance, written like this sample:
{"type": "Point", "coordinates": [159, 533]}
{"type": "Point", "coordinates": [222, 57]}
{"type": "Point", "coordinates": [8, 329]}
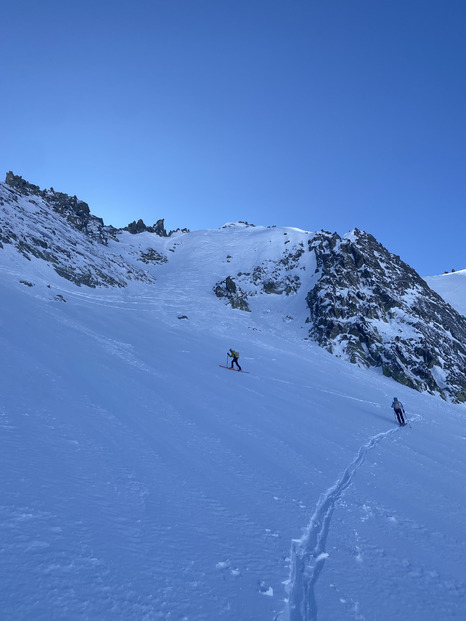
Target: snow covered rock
{"type": "Point", "coordinates": [234, 295]}
{"type": "Point", "coordinates": [373, 309]}
{"type": "Point", "coordinates": [60, 230]}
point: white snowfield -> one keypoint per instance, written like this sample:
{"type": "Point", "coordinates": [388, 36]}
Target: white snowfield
{"type": "Point", "coordinates": [142, 482]}
{"type": "Point", "coordinates": [452, 288]}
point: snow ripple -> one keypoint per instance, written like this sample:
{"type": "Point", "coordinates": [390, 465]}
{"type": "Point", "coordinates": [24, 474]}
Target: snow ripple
{"type": "Point", "coordinates": [308, 553]}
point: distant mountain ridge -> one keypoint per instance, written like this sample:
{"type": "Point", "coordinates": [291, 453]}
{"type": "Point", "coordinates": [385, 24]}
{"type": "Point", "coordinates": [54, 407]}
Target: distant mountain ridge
{"type": "Point", "coordinates": [349, 294]}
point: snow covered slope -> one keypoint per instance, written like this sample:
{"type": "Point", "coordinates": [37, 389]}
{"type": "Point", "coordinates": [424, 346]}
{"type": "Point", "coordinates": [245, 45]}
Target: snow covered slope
{"type": "Point", "coordinates": [452, 288]}
{"type": "Point", "coordinates": [140, 481]}
{"type": "Point", "coordinates": [349, 294]}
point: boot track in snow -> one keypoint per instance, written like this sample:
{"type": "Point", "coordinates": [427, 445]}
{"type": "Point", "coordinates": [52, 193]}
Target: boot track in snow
{"type": "Point", "coordinates": [308, 553]}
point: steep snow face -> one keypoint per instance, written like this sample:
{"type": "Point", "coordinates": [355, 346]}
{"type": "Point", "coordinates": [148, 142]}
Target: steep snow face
{"type": "Point", "coordinates": [349, 294]}
{"type": "Point", "coordinates": [452, 288]}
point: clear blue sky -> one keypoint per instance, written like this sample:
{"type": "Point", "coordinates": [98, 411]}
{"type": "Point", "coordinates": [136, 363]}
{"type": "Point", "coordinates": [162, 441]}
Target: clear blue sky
{"type": "Point", "coordinates": [328, 114]}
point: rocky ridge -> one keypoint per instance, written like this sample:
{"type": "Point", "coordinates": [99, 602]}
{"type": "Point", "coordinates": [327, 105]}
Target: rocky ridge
{"type": "Point", "coordinates": [62, 231]}
{"type": "Point", "coordinates": [375, 310]}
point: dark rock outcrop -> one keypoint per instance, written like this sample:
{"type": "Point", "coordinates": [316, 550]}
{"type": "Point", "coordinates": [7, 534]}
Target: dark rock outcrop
{"type": "Point", "coordinates": [139, 227]}
{"type": "Point", "coordinates": [233, 294]}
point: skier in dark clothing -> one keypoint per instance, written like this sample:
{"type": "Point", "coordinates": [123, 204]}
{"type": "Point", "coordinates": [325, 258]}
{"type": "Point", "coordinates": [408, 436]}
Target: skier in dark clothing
{"type": "Point", "coordinates": [234, 355]}
{"type": "Point", "coordinates": [399, 411]}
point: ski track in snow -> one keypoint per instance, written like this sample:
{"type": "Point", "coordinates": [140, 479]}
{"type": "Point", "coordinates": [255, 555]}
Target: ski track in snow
{"type": "Point", "coordinates": [308, 553]}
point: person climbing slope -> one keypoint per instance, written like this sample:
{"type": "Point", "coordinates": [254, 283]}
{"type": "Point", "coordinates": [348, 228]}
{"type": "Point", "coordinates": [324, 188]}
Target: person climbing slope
{"type": "Point", "coordinates": [399, 411]}
{"type": "Point", "coordinates": [234, 355]}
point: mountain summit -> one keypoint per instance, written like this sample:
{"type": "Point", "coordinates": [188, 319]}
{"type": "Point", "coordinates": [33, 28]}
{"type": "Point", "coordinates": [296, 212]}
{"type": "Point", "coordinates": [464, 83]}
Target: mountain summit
{"type": "Point", "coordinates": [349, 294]}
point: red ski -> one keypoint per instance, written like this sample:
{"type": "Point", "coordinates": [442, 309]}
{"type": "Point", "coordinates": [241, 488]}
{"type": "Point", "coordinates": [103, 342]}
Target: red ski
{"type": "Point", "coordinates": [230, 369]}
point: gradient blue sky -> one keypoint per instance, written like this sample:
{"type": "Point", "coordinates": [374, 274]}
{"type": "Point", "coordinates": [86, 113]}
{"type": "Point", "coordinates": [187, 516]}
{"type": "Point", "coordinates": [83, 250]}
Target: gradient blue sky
{"type": "Point", "coordinates": [316, 114]}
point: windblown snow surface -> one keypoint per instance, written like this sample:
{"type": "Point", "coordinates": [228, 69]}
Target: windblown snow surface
{"type": "Point", "coordinates": [452, 288]}
{"type": "Point", "coordinates": [140, 481]}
